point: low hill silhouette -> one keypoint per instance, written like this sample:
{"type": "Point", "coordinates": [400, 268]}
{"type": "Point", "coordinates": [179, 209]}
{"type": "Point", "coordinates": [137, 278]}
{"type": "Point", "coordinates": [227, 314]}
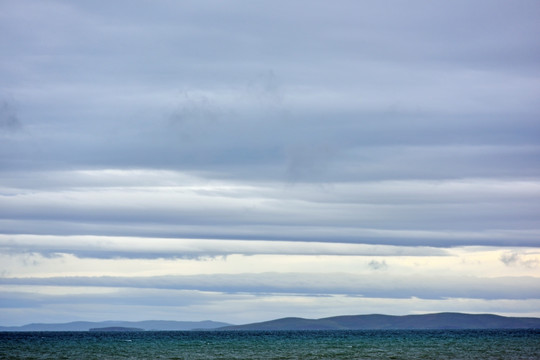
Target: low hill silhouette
{"type": "Point", "coordinates": [390, 322]}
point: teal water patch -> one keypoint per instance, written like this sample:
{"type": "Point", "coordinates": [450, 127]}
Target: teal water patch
{"type": "Point", "coordinates": [402, 344]}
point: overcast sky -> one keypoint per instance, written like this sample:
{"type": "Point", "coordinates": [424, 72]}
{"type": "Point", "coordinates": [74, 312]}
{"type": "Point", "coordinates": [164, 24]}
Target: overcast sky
{"type": "Point", "coordinates": [243, 161]}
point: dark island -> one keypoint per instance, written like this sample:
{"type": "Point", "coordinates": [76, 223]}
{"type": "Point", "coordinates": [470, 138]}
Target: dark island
{"type": "Point", "coordinates": [117, 329]}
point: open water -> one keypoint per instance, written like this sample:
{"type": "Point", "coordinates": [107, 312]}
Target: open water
{"type": "Point", "coordinates": [381, 344]}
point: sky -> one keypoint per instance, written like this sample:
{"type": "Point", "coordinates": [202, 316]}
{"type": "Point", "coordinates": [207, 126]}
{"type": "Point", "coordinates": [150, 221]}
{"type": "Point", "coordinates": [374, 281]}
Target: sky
{"type": "Point", "coordinates": [243, 161]}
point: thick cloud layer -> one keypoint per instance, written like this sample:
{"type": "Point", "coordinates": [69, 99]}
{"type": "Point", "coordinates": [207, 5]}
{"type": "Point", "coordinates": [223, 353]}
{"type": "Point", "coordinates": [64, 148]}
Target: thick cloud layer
{"type": "Point", "coordinates": [151, 136]}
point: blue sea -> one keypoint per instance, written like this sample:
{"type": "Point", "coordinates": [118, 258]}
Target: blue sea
{"type": "Point", "coordinates": [380, 344]}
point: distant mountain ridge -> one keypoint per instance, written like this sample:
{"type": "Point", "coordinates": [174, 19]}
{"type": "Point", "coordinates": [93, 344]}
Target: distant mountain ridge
{"type": "Point", "coordinates": [391, 322]}
{"type": "Point", "coordinates": [346, 322]}
{"type": "Point", "coordinates": [160, 325]}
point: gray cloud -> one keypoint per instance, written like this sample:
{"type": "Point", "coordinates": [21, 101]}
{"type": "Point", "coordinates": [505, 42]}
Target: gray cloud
{"type": "Point", "coordinates": [151, 248]}
{"type": "Point", "coordinates": [403, 213]}
{"type": "Point", "coordinates": [306, 162]}
{"type": "Point", "coordinates": [195, 117]}
{"type": "Point", "coordinates": [338, 112]}
{"type": "Point", "coordinates": [374, 286]}
{"type": "Point", "coordinates": [9, 119]}
{"type": "Point", "coordinates": [513, 258]}
{"type": "Point", "coordinates": [378, 265]}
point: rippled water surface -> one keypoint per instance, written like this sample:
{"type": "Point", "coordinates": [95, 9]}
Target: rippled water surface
{"type": "Point", "coordinates": [403, 344]}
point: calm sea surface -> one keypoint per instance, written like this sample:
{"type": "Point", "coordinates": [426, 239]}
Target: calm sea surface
{"type": "Point", "coordinates": [384, 344]}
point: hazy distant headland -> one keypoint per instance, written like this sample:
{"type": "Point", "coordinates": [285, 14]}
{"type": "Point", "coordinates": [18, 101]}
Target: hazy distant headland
{"type": "Point", "coordinates": [159, 325]}
{"type": "Point", "coordinates": [443, 321]}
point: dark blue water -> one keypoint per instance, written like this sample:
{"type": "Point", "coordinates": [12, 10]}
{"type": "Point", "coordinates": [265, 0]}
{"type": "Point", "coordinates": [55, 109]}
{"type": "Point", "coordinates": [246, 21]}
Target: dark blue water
{"type": "Point", "coordinates": [382, 344]}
